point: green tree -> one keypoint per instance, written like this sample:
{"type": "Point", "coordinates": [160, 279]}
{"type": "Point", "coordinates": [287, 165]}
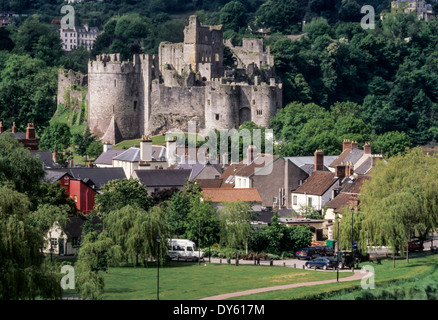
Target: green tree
{"type": "Point", "coordinates": [27, 88]}
{"type": "Point", "coordinates": [94, 149]}
{"type": "Point", "coordinates": [83, 141]}
{"type": "Point", "coordinates": [392, 143]}
{"type": "Point", "coordinates": [235, 224]}
{"type": "Point", "coordinates": [233, 16]}
{"type": "Point", "coordinates": [18, 167]}
{"type": "Point", "coordinates": [400, 200]}
{"type": "Point", "coordinates": [57, 138]}
{"type": "Point", "coordinates": [119, 193]}
{"type": "Point", "coordinates": [202, 222]}
{"type": "Point", "coordinates": [24, 271]}
{"type": "Point", "coordinates": [279, 15]}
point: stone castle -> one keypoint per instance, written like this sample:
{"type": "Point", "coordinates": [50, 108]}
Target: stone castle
{"type": "Point", "coordinates": [186, 82]}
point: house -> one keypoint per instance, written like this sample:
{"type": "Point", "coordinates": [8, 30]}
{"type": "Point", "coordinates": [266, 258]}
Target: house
{"type": "Point", "coordinates": [27, 138]}
{"type": "Point", "coordinates": [316, 226]}
{"type": "Point", "coordinates": [278, 179]}
{"type": "Point", "coordinates": [46, 157]}
{"type": "Point", "coordinates": [361, 160]}
{"type": "Point", "coordinates": [81, 191]}
{"type": "Point", "coordinates": [217, 196]}
{"type": "Point", "coordinates": [66, 241]}
{"type": "Point", "coordinates": [317, 189]}
{"type": "Point", "coordinates": [146, 157]}
{"type": "Point", "coordinates": [209, 183]}
{"type": "Point", "coordinates": [156, 180]}
{"type": "Point", "coordinates": [78, 36]}
{"type": "Point", "coordinates": [200, 171]}
{"type": "Point", "coordinates": [423, 10]}
{"type": "Point", "coordinates": [96, 177]}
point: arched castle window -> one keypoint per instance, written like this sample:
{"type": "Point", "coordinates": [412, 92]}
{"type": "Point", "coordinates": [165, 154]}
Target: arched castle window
{"type": "Point", "coordinates": [216, 115]}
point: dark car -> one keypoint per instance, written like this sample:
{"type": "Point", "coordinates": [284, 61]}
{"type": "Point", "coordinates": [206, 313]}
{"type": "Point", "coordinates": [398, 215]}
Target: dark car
{"type": "Point", "coordinates": [349, 260]}
{"type": "Point", "coordinates": [322, 263]}
{"type": "Point", "coordinates": [415, 246]}
{"type": "Point", "coordinates": [307, 253]}
{"type": "Point", "coordinates": [325, 250]}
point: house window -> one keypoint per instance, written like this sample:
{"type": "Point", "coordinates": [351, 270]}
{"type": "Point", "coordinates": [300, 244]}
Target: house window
{"type": "Point", "coordinates": [295, 200]}
{"type": "Point", "coordinates": [309, 201]}
{"type": "Point", "coordinates": [66, 180]}
{"type": "Point", "coordinates": [75, 198]}
{"type": "Point", "coordinates": [76, 242]}
{"type": "Point", "coordinates": [54, 242]}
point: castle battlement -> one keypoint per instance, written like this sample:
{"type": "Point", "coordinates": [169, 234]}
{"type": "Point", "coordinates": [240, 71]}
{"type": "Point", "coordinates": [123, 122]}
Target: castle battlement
{"type": "Point", "coordinates": [187, 81]}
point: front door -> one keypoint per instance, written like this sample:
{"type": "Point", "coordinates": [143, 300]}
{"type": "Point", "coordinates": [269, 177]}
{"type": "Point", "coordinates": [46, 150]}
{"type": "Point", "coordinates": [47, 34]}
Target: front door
{"type": "Point", "coordinates": [61, 246]}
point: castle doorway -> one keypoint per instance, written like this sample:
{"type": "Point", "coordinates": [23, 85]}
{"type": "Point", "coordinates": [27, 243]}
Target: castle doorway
{"type": "Point", "coordinates": [244, 115]}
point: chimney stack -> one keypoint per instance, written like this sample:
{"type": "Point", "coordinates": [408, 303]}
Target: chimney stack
{"type": "Point", "coordinates": [30, 131]}
{"type": "Point", "coordinates": [354, 145]}
{"type": "Point", "coordinates": [171, 151]}
{"type": "Point", "coordinates": [251, 154]}
{"type": "Point", "coordinates": [55, 156]}
{"type": "Point", "coordinates": [106, 146]}
{"type": "Point", "coordinates": [349, 169]}
{"type": "Point", "coordinates": [340, 171]}
{"type": "Point", "coordinates": [346, 144]}
{"type": "Point", "coordinates": [145, 149]}
{"type": "Point", "coordinates": [1, 127]}
{"type": "Point", "coordinates": [367, 148]}
{"type": "Point", "coordinates": [319, 160]}
{"type": "Point", "coordinates": [14, 128]}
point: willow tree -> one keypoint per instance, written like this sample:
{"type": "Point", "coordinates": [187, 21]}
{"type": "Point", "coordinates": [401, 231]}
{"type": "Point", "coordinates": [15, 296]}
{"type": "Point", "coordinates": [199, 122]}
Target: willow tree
{"type": "Point", "coordinates": [350, 227]}
{"type": "Point", "coordinates": [135, 231]}
{"type": "Point", "coordinates": [401, 200]}
{"type": "Point", "coordinates": [235, 223]}
{"type": "Point", "coordinates": [24, 272]}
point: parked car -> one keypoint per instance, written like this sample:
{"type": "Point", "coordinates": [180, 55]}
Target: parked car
{"type": "Point", "coordinates": [307, 253]}
{"type": "Point", "coordinates": [183, 249]}
{"type": "Point", "coordinates": [322, 262]}
{"type": "Point", "coordinates": [347, 259]}
{"type": "Point", "coordinates": [325, 250]}
{"type": "Point", "coordinates": [415, 245]}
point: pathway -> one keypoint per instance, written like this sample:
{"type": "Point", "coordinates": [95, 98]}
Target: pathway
{"type": "Point", "coordinates": [357, 276]}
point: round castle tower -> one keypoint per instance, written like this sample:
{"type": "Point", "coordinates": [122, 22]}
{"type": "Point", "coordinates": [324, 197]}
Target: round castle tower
{"type": "Point", "coordinates": [114, 97]}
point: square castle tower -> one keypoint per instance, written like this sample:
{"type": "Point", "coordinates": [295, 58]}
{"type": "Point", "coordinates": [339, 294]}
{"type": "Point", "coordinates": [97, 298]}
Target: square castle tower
{"type": "Point", "coordinates": [186, 82]}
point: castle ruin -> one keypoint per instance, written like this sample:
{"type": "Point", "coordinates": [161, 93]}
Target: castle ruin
{"type": "Point", "coordinates": [186, 82]}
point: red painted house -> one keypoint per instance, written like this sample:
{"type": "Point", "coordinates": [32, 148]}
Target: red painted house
{"type": "Point", "coordinates": [82, 193]}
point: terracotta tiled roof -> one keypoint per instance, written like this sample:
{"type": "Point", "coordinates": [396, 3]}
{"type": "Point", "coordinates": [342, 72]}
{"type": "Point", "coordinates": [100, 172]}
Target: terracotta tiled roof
{"type": "Point", "coordinates": [318, 183]}
{"type": "Point", "coordinates": [228, 175]}
{"type": "Point", "coordinates": [353, 186]}
{"type": "Point", "coordinates": [219, 195]}
{"type": "Point", "coordinates": [348, 154]}
{"type": "Point", "coordinates": [209, 183]}
{"type": "Point", "coordinates": [341, 200]}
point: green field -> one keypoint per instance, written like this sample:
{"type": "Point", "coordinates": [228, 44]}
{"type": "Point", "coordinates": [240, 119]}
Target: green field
{"type": "Point", "coordinates": [423, 265]}
{"type": "Point", "coordinates": [189, 281]}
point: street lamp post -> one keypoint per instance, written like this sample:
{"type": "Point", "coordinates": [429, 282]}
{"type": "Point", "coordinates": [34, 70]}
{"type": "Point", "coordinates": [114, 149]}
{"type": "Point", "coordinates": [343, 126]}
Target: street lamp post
{"type": "Point", "coordinates": [158, 267]}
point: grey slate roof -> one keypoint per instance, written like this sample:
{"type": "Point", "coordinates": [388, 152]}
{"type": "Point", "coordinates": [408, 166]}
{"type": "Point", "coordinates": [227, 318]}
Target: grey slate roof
{"type": "Point", "coordinates": [46, 158]}
{"type": "Point", "coordinates": [163, 178]}
{"type": "Point", "coordinates": [196, 168]}
{"type": "Point", "coordinates": [100, 176]}
{"type": "Point", "coordinates": [365, 166]}
{"type": "Point", "coordinates": [133, 154]}
{"type": "Point", "coordinates": [300, 161]}
{"type": "Point", "coordinates": [107, 157]}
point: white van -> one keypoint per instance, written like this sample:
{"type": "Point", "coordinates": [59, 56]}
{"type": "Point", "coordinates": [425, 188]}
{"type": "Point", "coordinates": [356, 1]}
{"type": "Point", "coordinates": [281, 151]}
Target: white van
{"type": "Point", "coordinates": [183, 249]}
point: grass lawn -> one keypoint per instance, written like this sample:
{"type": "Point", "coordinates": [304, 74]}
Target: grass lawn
{"type": "Point", "coordinates": [425, 264]}
{"type": "Point", "coordinates": [189, 281]}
